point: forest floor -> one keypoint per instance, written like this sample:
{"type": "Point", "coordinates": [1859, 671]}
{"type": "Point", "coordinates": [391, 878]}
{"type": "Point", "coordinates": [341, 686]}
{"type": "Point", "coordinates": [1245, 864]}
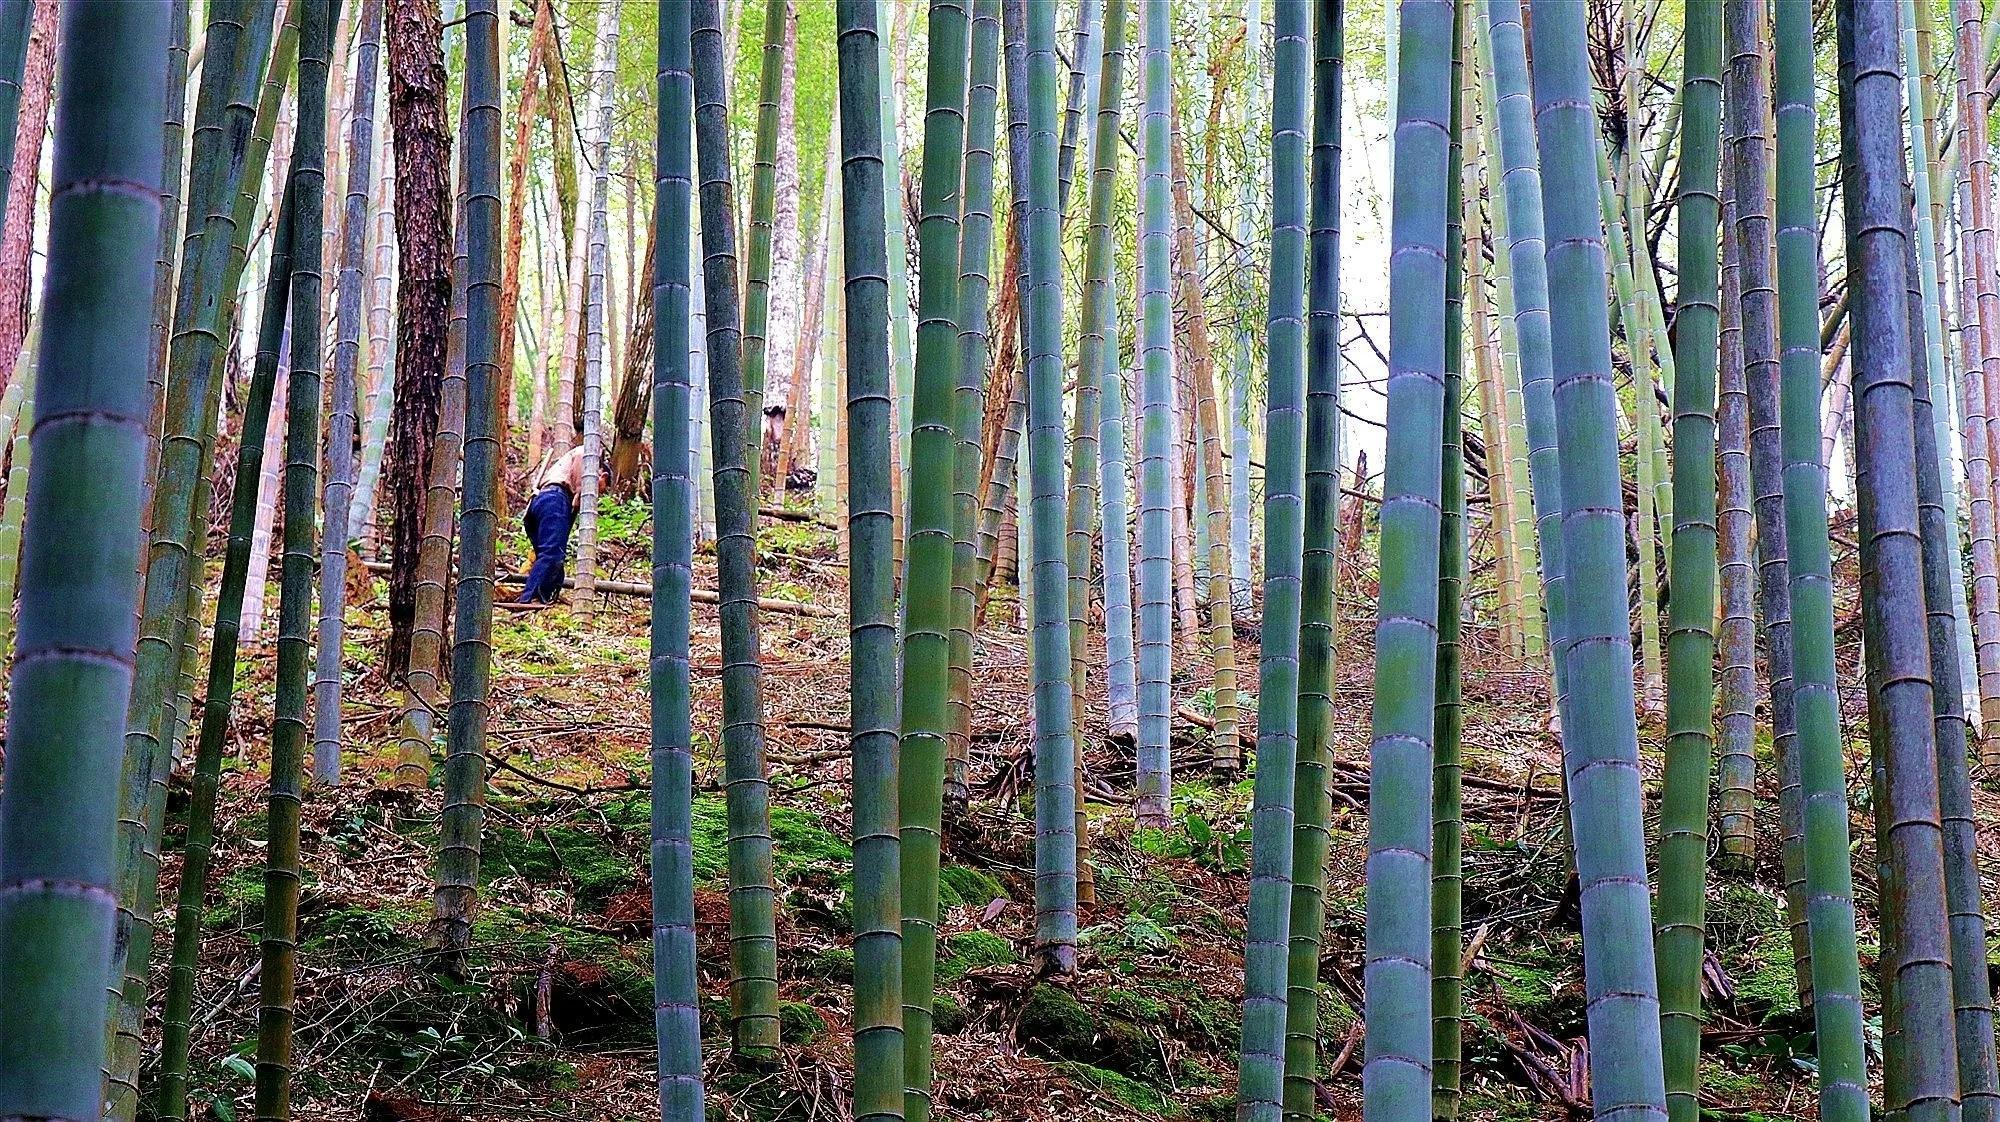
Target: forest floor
{"type": "Point", "coordinates": [555, 1019]}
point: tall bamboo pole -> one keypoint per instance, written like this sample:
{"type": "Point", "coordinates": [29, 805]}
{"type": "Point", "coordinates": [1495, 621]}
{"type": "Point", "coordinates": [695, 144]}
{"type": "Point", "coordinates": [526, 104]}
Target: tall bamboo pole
{"type": "Point", "coordinates": [879, 1046]}
{"type": "Point", "coordinates": [1747, 93]}
{"type": "Point", "coordinates": [1266, 958]}
{"type": "Point", "coordinates": [1837, 1012]}
{"type": "Point", "coordinates": [338, 489]}
{"type": "Point", "coordinates": [1396, 1074]}
{"type": "Point", "coordinates": [676, 985]}
{"type": "Point", "coordinates": [1319, 542]}
{"type": "Point", "coordinates": [72, 671]}
{"type": "Point", "coordinates": [1447, 769]}
{"type": "Point", "coordinates": [752, 896]}
{"type": "Point", "coordinates": [927, 572]}
{"type": "Point", "coordinates": [1683, 853]}
{"type": "Point", "coordinates": [1600, 738]}
{"type": "Point", "coordinates": [1153, 779]}
{"type": "Point", "coordinates": [1920, 1069]}
{"type": "Point", "coordinates": [278, 941]}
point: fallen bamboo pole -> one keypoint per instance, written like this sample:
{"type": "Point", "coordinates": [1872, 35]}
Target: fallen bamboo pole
{"type": "Point", "coordinates": [645, 591]}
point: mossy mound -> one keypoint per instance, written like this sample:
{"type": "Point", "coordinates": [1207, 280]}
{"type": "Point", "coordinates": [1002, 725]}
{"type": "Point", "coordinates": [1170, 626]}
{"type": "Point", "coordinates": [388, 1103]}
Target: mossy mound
{"type": "Point", "coordinates": [1747, 928]}
{"type": "Point", "coordinates": [1056, 1023]}
{"type": "Point", "coordinates": [802, 847]}
{"type": "Point", "coordinates": [964, 885]}
{"type": "Point", "coordinates": [1139, 1096]}
{"type": "Point", "coordinates": [364, 932]}
{"type": "Point", "coordinates": [969, 950]}
{"type": "Point", "coordinates": [558, 854]}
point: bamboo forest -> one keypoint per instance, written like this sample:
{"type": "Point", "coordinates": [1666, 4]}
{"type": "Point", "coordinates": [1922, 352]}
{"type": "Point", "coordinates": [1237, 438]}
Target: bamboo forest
{"type": "Point", "coordinates": [1013, 560]}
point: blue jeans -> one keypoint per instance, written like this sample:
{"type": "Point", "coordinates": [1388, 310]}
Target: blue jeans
{"type": "Point", "coordinates": [548, 520]}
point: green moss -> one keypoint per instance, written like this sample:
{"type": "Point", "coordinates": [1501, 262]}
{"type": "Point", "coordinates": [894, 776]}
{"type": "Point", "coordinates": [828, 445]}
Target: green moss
{"type": "Point", "coordinates": [961, 884]}
{"type": "Point", "coordinates": [947, 1015]}
{"type": "Point", "coordinates": [242, 904]}
{"type": "Point", "coordinates": [798, 1022]}
{"type": "Point", "coordinates": [559, 855]}
{"type": "Point", "coordinates": [355, 931]}
{"type": "Point", "coordinates": [1131, 1092]}
{"type": "Point", "coordinates": [803, 848]}
{"type": "Point", "coordinates": [1134, 1006]}
{"type": "Point", "coordinates": [833, 964]}
{"type": "Point", "coordinates": [969, 950]}
{"type": "Point", "coordinates": [1056, 1022]}
{"type": "Point", "coordinates": [1747, 928]}
{"type": "Point", "coordinates": [1336, 1016]}
{"type": "Point", "coordinates": [1501, 1108]}
{"type": "Point", "coordinates": [1772, 980]}
{"type": "Point", "coordinates": [545, 1071]}
{"type": "Point", "coordinates": [1527, 987]}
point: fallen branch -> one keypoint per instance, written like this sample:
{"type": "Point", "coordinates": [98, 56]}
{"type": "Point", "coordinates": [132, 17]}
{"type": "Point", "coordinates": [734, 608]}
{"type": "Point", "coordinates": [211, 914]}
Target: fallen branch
{"type": "Point", "coordinates": [645, 591]}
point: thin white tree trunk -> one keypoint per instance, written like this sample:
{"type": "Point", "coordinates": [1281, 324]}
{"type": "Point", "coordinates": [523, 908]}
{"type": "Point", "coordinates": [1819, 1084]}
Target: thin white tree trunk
{"type": "Point", "coordinates": [595, 314]}
{"type": "Point", "coordinates": [563, 430]}
{"type": "Point", "coordinates": [267, 503]}
{"type": "Point", "coordinates": [781, 346]}
{"type": "Point", "coordinates": [381, 362]}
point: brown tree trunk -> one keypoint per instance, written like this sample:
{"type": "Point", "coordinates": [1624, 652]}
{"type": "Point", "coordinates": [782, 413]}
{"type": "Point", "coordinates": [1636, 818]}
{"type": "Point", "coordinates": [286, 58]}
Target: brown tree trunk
{"type": "Point", "coordinates": [423, 300]}
{"type": "Point", "coordinates": [635, 392]}
{"type": "Point", "coordinates": [563, 412]}
{"type": "Point", "coordinates": [517, 208]}
{"type": "Point", "coordinates": [19, 235]}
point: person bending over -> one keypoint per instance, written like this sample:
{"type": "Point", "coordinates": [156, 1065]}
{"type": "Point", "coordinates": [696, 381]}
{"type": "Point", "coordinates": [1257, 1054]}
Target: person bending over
{"type": "Point", "coordinates": [550, 515]}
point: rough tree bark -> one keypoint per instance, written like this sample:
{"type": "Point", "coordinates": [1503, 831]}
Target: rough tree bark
{"type": "Point", "coordinates": [423, 300]}
{"type": "Point", "coordinates": [19, 235]}
{"type": "Point", "coordinates": [635, 391]}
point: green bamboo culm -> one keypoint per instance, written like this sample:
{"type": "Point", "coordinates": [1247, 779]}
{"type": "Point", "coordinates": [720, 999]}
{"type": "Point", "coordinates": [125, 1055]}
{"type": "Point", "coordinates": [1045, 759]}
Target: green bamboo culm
{"type": "Point", "coordinates": [1972, 999]}
{"type": "Point", "coordinates": [1978, 1084]}
{"type": "Point", "coordinates": [464, 772]}
{"type": "Point", "coordinates": [1099, 311]}
{"type": "Point", "coordinates": [927, 554]}
{"type": "Point", "coordinates": [173, 169]}
{"type": "Point", "coordinates": [1041, 314]}
{"type": "Point", "coordinates": [223, 147]}
{"type": "Point", "coordinates": [1266, 954]}
{"type": "Point", "coordinates": [197, 853]}
{"type": "Point", "coordinates": [1690, 640]}
{"type": "Point", "coordinates": [879, 1069]}
{"type": "Point", "coordinates": [1920, 1053]}
{"type": "Point", "coordinates": [1396, 1075]}
{"type": "Point", "coordinates": [763, 209]}
{"type": "Point", "coordinates": [975, 253]}
{"type": "Point", "coordinates": [1447, 770]}
{"type": "Point", "coordinates": [753, 938]}
{"type": "Point", "coordinates": [140, 861]}
{"type": "Point", "coordinates": [1600, 739]}
{"type": "Point", "coordinates": [1319, 541]}
{"type": "Point", "coordinates": [72, 672]}
{"type": "Point", "coordinates": [1504, 47]}
{"type": "Point", "coordinates": [1153, 772]}
{"type": "Point", "coordinates": [338, 489]}
{"type": "Point", "coordinates": [1829, 887]}
{"type": "Point", "coordinates": [278, 944]}
{"type": "Point", "coordinates": [1736, 690]}
{"type": "Point", "coordinates": [676, 987]}
{"type": "Point", "coordinates": [17, 18]}
{"type": "Point", "coordinates": [1927, 176]}
{"type": "Point", "coordinates": [1746, 93]}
